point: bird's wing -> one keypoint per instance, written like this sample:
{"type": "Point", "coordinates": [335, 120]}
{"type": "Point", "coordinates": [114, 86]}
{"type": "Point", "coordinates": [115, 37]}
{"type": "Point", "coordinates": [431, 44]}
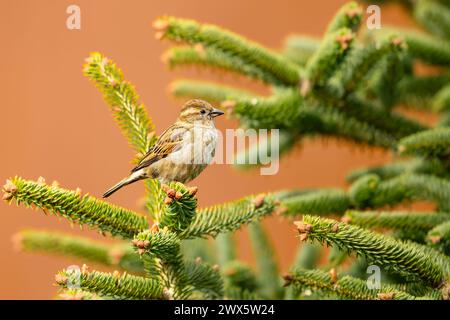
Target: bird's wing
{"type": "Point", "coordinates": [169, 141]}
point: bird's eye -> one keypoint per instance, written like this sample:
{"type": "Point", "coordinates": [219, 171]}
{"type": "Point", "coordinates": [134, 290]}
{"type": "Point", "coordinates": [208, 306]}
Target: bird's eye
{"type": "Point", "coordinates": [203, 111]}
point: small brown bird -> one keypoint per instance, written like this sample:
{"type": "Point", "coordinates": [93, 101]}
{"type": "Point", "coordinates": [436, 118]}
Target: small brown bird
{"type": "Point", "coordinates": [182, 151]}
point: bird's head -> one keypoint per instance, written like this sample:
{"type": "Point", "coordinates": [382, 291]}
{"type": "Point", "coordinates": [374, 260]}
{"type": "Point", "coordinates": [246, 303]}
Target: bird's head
{"type": "Point", "coordinates": [198, 111]}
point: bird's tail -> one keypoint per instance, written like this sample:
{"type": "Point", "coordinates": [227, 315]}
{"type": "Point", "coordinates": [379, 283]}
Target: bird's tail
{"type": "Point", "coordinates": [135, 176]}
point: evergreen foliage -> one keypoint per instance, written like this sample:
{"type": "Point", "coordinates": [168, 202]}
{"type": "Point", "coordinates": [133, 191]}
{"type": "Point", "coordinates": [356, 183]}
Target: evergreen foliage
{"type": "Point", "coordinates": [347, 85]}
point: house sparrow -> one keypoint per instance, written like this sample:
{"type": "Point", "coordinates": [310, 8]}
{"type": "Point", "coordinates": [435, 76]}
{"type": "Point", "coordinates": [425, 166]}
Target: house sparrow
{"type": "Point", "coordinates": [182, 151]}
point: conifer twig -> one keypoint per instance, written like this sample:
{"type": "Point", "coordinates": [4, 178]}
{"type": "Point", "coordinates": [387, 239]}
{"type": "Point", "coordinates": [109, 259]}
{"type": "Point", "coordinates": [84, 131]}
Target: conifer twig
{"type": "Point", "coordinates": [387, 171]}
{"type": "Point", "coordinates": [75, 207]}
{"type": "Point", "coordinates": [123, 100]}
{"type": "Point", "coordinates": [240, 281]}
{"type": "Point", "coordinates": [211, 36]}
{"type": "Point", "coordinates": [229, 216]}
{"type": "Point", "coordinates": [414, 259]}
{"type": "Point", "coordinates": [317, 202]}
{"type": "Point", "coordinates": [423, 46]}
{"type": "Point", "coordinates": [115, 285]}
{"type": "Point", "coordinates": [211, 57]}
{"type": "Point", "coordinates": [164, 246]}
{"type": "Point", "coordinates": [118, 255]}
{"type": "Point", "coordinates": [396, 220]}
{"type": "Point", "coordinates": [205, 279]}
{"type": "Point", "coordinates": [299, 48]}
{"type": "Point", "coordinates": [346, 286]}
{"type": "Point", "coordinates": [349, 16]}
{"type": "Point", "coordinates": [429, 143]}
{"type": "Point", "coordinates": [434, 16]}
{"type": "Point", "coordinates": [440, 235]}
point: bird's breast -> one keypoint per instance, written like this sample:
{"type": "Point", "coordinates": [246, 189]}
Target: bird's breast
{"type": "Point", "coordinates": [197, 147]}
{"type": "Point", "coordinates": [196, 151]}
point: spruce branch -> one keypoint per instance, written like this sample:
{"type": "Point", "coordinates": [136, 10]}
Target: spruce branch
{"type": "Point", "coordinates": [427, 48]}
{"type": "Point", "coordinates": [383, 80]}
{"type": "Point", "coordinates": [118, 255]}
{"type": "Point", "coordinates": [331, 122]}
{"type": "Point", "coordinates": [268, 273]}
{"type": "Point", "coordinates": [439, 236]}
{"type": "Point", "coordinates": [210, 36]}
{"type": "Point", "coordinates": [240, 281]}
{"type": "Point", "coordinates": [114, 285]}
{"type": "Point", "coordinates": [184, 277]}
{"type": "Point", "coordinates": [396, 220]}
{"type": "Point", "coordinates": [211, 57]}
{"type": "Point", "coordinates": [229, 216]}
{"type": "Point", "coordinates": [361, 59]}
{"type": "Point", "coordinates": [161, 243]}
{"type": "Point", "coordinates": [430, 143]}
{"type": "Point", "coordinates": [418, 91]}
{"type": "Point", "coordinates": [393, 123]}
{"type": "Point", "coordinates": [434, 16]}
{"type": "Point", "coordinates": [349, 16]}
{"type": "Point", "coordinates": [164, 246]}
{"type": "Point", "coordinates": [317, 202]}
{"type": "Point", "coordinates": [75, 207]}
{"type": "Point", "coordinates": [408, 235]}
{"type": "Point", "coordinates": [370, 192]}
{"type": "Point", "coordinates": [180, 207]}
{"type": "Point", "coordinates": [234, 293]}
{"type": "Point", "coordinates": [205, 279]}
{"type": "Point", "coordinates": [444, 121]}
{"type": "Point", "coordinates": [77, 294]}
{"type": "Point", "coordinates": [131, 115]}
{"type": "Point", "coordinates": [410, 258]}
{"type": "Point", "coordinates": [326, 60]}
{"type": "Point", "coordinates": [299, 48]}
{"type": "Point", "coordinates": [441, 101]}
{"type": "Point", "coordinates": [387, 171]}
{"type": "Point", "coordinates": [345, 287]}
{"type": "Point", "coordinates": [280, 110]}
{"type": "Point", "coordinates": [286, 110]}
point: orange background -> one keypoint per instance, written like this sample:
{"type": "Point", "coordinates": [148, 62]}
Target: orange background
{"type": "Point", "coordinates": [55, 124]}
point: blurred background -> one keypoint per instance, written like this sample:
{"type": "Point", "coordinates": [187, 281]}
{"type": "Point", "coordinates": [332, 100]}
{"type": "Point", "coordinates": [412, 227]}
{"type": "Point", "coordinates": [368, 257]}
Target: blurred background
{"type": "Point", "coordinates": [55, 124]}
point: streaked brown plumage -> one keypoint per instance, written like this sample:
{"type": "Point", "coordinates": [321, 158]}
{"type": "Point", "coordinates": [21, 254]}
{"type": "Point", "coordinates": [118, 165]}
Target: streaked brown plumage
{"type": "Point", "coordinates": [182, 151]}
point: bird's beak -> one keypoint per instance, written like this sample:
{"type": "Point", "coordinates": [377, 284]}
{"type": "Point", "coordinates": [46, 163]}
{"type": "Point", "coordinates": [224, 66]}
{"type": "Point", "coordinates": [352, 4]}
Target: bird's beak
{"type": "Point", "coordinates": [216, 113]}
